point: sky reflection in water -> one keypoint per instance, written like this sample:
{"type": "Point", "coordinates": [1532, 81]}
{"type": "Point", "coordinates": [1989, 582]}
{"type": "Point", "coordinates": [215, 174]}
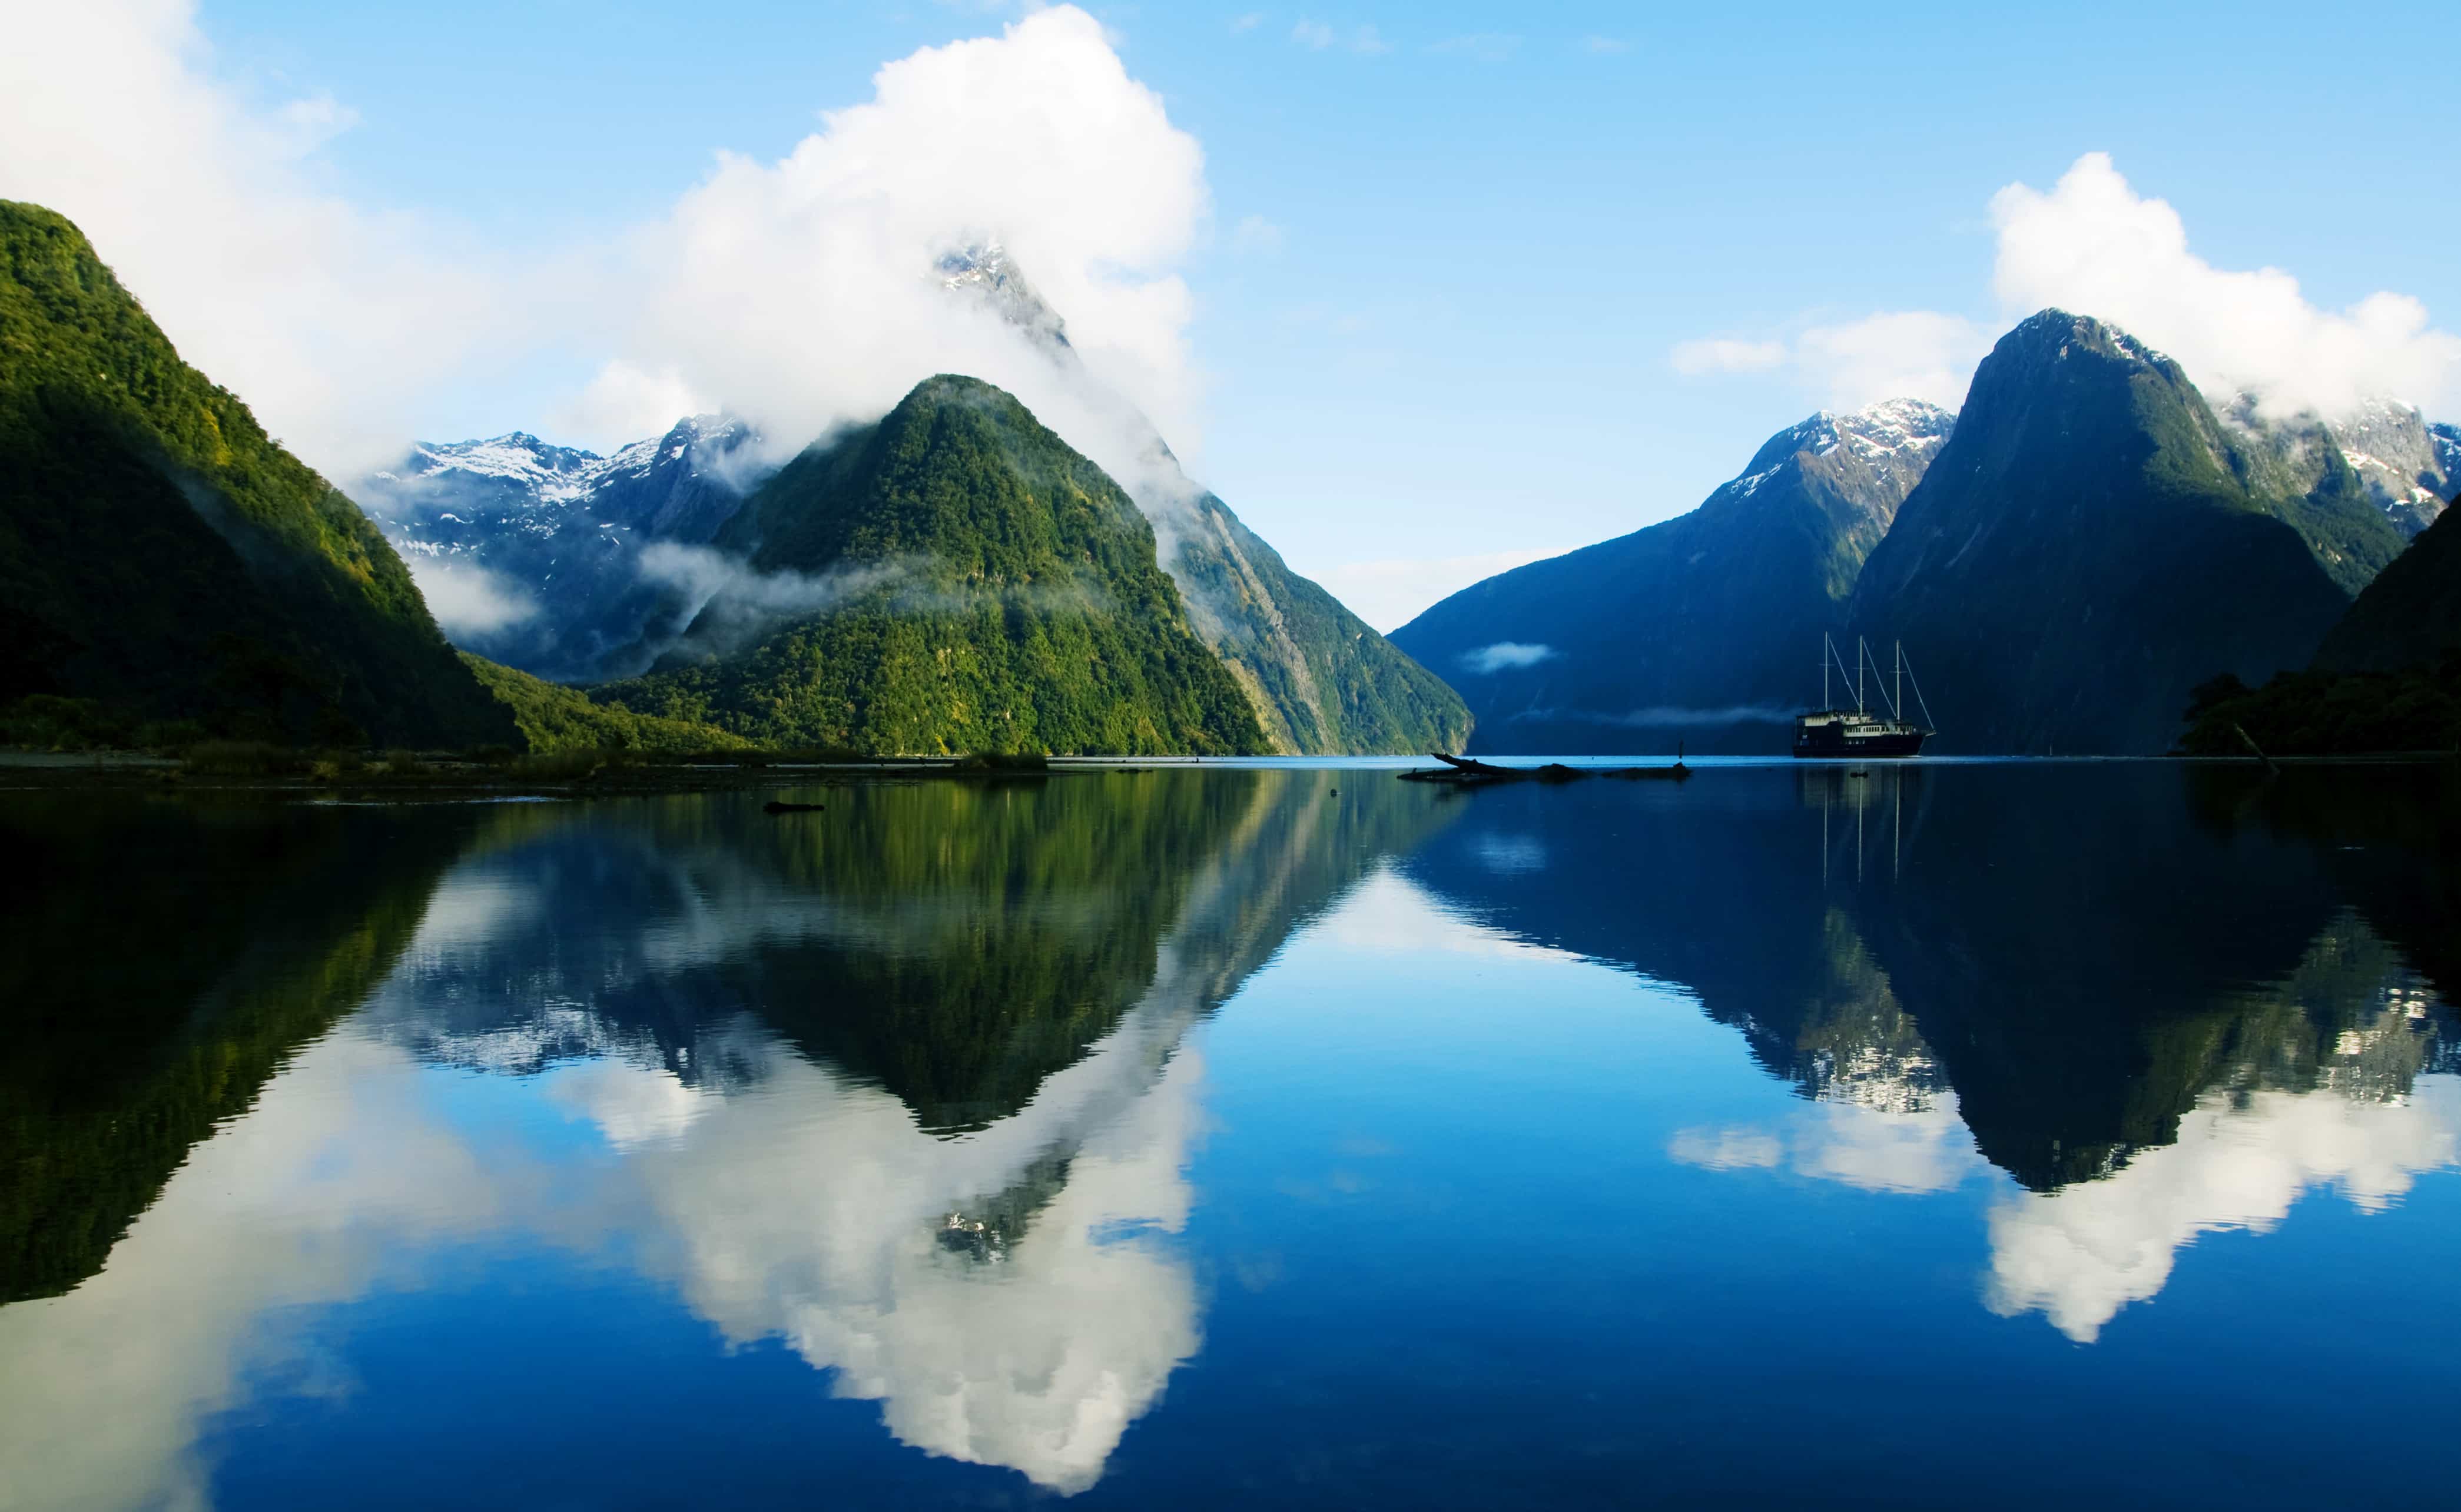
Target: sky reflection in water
{"type": "Point", "coordinates": [1212, 1136]}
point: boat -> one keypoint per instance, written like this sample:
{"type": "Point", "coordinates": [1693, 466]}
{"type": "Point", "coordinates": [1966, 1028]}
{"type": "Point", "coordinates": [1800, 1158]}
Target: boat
{"type": "Point", "coordinates": [1832, 732]}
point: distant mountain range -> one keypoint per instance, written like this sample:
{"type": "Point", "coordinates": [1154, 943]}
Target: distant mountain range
{"type": "Point", "coordinates": [161, 556]}
{"type": "Point", "coordinates": [539, 547]}
{"type": "Point", "coordinates": [2064, 560]}
{"type": "Point", "coordinates": [1704, 628]}
{"type": "Point", "coordinates": [547, 553]}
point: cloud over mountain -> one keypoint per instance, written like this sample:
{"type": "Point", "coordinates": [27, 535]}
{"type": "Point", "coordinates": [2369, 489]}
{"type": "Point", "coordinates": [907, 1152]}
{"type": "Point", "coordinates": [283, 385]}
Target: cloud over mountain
{"type": "Point", "coordinates": [2093, 245]}
{"type": "Point", "coordinates": [799, 292]}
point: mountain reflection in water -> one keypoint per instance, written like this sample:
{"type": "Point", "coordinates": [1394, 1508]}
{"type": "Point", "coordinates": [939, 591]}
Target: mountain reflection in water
{"type": "Point", "coordinates": [915, 1090]}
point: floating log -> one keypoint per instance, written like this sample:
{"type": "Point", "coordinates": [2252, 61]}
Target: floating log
{"type": "Point", "coordinates": [774, 806]}
{"type": "Point", "coordinates": [1468, 772]}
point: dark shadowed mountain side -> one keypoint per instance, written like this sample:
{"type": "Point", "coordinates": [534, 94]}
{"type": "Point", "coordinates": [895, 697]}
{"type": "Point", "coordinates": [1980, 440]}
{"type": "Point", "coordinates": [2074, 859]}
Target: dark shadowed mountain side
{"type": "Point", "coordinates": [2409, 616]}
{"type": "Point", "coordinates": [1321, 680]}
{"type": "Point", "coordinates": [2387, 679]}
{"type": "Point", "coordinates": [1860, 936]}
{"type": "Point", "coordinates": [1705, 627]}
{"type": "Point", "coordinates": [959, 579]}
{"type": "Point", "coordinates": [2092, 543]}
{"type": "Point", "coordinates": [159, 554]}
{"type": "Point", "coordinates": [543, 557]}
{"type": "Point", "coordinates": [236, 934]}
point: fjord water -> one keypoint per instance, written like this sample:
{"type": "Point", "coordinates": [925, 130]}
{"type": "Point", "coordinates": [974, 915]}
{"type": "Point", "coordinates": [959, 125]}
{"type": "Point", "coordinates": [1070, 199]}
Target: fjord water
{"type": "Point", "coordinates": [1934, 1134]}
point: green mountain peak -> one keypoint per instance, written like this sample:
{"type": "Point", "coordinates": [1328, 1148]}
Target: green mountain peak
{"type": "Point", "coordinates": [951, 578]}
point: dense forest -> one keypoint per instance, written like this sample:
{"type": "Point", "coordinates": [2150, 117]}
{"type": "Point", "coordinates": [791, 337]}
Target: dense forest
{"type": "Point", "coordinates": [160, 555]}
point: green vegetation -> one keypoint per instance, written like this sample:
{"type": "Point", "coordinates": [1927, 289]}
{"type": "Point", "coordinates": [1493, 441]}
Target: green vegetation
{"type": "Point", "coordinates": [553, 717]}
{"type": "Point", "coordinates": [162, 557]}
{"type": "Point", "coordinates": [986, 590]}
{"type": "Point", "coordinates": [2330, 714]}
{"type": "Point", "coordinates": [1321, 681]}
{"type": "Point", "coordinates": [52, 722]}
{"type": "Point", "coordinates": [233, 935]}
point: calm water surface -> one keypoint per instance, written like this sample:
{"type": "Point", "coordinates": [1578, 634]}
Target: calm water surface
{"type": "Point", "coordinates": [2017, 1135]}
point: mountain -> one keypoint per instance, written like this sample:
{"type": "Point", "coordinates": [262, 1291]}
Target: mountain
{"type": "Point", "coordinates": [534, 554]}
{"type": "Point", "coordinates": [161, 554]}
{"type": "Point", "coordinates": [1704, 628]}
{"type": "Point", "coordinates": [554, 717]}
{"type": "Point", "coordinates": [2410, 615]}
{"type": "Point", "coordinates": [1321, 681]}
{"type": "Point", "coordinates": [2410, 468]}
{"type": "Point", "coordinates": [950, 578]}
{"type": "Point", "coordinates": [2387, 677]}
{"type": "Point", "coordinates": [2091, 542]}
{"type": "Point", "coordinates": [2406, 467]}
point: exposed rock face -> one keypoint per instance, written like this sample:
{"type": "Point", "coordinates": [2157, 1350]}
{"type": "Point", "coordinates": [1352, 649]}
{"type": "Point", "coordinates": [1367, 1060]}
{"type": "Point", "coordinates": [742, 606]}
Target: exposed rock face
{"type": "Point", "coordinates": [1705, 627]}
{"type": "Point", "coordinates": [2406, 467]}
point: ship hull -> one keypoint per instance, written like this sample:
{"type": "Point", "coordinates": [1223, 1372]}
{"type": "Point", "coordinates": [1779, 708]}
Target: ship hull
{"type": "Point", "coordinates": [1830, 744]}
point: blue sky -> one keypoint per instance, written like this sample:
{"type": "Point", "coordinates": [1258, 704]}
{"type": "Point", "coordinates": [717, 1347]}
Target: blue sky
{"type": "Point", "coordinates": [1474, 236]}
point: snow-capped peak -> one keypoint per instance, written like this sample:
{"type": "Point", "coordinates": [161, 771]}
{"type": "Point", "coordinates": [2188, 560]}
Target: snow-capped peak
{"type": "Point", "coordinates": [983, 270]}
{"type": "Point", "coordinates": [561, 475]}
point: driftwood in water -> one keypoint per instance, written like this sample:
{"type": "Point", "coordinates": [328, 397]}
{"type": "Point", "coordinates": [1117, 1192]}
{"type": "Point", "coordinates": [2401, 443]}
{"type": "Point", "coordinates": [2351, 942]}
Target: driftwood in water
{"type": "Point", "coordinates": [774, 806]}
{"type": "Point", "coordinates": [1465, 771]}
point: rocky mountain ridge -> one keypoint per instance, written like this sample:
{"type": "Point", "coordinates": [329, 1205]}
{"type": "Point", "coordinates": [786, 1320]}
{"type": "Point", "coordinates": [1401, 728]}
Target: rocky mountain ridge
{"type": "Point", "coordinates": [544, 543]}
{"type": "Point", "coordinates": [1704, 628]}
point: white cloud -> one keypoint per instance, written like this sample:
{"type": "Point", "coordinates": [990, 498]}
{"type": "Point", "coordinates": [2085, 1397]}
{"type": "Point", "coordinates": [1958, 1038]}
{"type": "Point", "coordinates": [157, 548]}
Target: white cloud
{"type": "Point", "coordinates": [467, 599]}
{"type": "Point", "coordinates": [1503, 654]}
{"type": "Point", "coordinates": [1604, 46]}
{"type": "Point", "coordinates": [798, 292]}
{"type": "Point", "coordinates": [1925, 1149]}
{"type": "Point", "coordinates": [625, 400]}
{"type": "Point", "coordinates": [1314, 35]}
{"type": "Point", "coordinates": [328, 317]}
{"type": "Point", "coordinates": [1915, 354]}
{"type": "Point", "coordinates": [2079, 1254]}
{"type": "Point", "coordinates": [1736, 1148]}
{"type": "Point", "coordinates": [2093, 245]}
{"type": "Point", "coordinates": [1247, 22]}
{"type": "Point", "coordinates": [1894, 354]}
{"type": "Point", "coordinates": [1390, 592]}
{"type": "Point", "coordinates": [1255, 236]}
